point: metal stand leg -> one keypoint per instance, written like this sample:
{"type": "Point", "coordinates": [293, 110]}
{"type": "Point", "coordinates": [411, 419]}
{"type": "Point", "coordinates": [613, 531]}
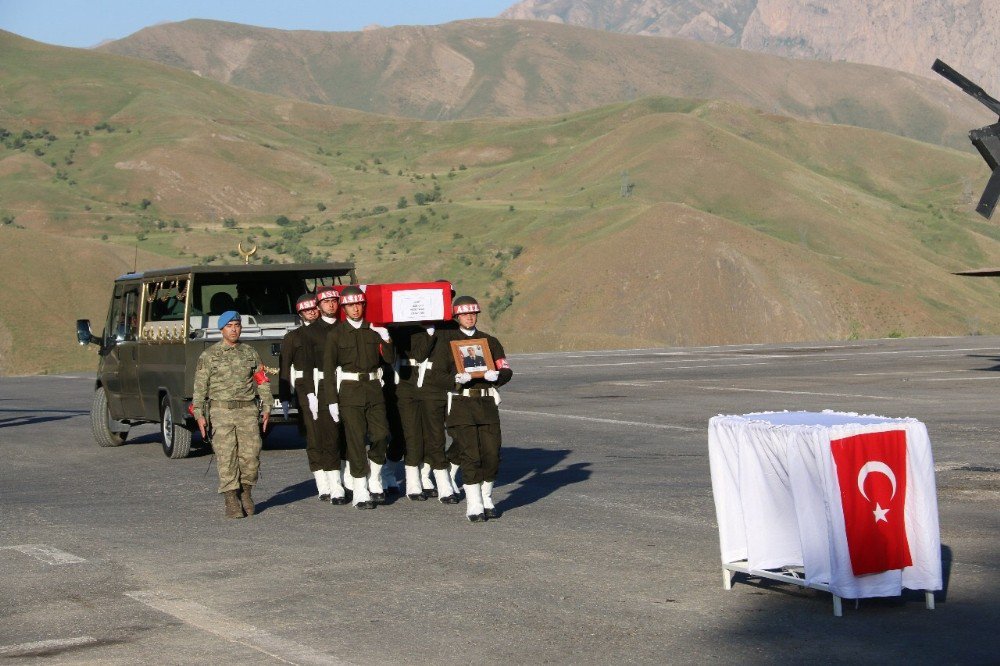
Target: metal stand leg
{"type": "Point", "coordinates": [929, 600]}
{"type": "Point", "coordinates": [727, 579]}
{"type": "Point", "coordinates": [838, 607]}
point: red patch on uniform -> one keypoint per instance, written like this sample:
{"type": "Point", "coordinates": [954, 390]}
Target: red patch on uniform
{"type": "Point", "coordinates": [261, 376]}
{"type": "Point", "coordinates": [502, 364]}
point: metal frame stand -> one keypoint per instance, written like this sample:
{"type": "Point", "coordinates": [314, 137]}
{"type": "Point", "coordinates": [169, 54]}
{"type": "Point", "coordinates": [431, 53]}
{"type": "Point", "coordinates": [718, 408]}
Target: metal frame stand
{"type": "Point", "coordinates": [795, 576]}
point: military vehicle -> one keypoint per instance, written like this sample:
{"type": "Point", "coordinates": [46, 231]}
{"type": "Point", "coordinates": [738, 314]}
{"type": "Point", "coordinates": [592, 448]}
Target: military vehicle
{"type": "Point", "coordinates": [160, 321]}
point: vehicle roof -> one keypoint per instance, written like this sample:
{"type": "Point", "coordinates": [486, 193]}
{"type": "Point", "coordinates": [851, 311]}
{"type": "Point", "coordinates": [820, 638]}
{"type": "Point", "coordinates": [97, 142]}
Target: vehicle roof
{"type": "Point", "coordinates": [305, 270]}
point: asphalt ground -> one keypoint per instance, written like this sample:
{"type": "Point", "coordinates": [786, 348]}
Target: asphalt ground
{"type": "Point", "coordinates": [607, 550]}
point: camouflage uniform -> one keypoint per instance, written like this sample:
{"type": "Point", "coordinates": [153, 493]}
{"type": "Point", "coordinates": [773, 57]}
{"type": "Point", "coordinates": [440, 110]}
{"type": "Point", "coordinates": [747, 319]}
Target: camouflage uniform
{"type": "Point", "coordinates": [225, 381]}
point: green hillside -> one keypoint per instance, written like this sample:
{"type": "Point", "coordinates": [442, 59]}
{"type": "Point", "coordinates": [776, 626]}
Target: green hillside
{"type": "Point", "coordinates": [738, 226]}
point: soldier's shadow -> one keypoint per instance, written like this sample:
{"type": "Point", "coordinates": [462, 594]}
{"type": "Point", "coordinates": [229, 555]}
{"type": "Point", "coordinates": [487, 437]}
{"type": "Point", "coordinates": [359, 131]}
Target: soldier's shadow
{"type": "Point", "coordinates": [527, 474]}
{"type": "Point", "coordinates": [288, 495]}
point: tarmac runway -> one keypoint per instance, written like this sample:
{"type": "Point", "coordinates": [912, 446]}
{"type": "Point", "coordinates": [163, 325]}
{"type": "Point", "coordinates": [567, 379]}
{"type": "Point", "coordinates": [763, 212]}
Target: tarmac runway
{"type": "Point", "coordinates": [607, 550]}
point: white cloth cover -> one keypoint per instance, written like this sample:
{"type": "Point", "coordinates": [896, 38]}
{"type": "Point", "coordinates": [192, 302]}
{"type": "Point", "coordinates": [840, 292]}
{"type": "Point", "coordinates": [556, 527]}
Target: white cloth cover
{"type": "Point", "coordinates": [453, 473]}
{"type": "Point", "coordinates": [413, 486]}
{"type": "Point", "coordinates": [336, 487]}
{"type": "Point", "coordinates": [361, 494]}
{"type": "Point", "coordinates": [778, 502]}
{"type": "Point", "coordinates": [375, 478]}
{"type": "Point", "coordinates": [443, 483]}
{"type": "Point", "coordinates": [473, 499]}
{"type": "Point", "coordinates": [345, 473]}
{"type": "Point", "coordinates": [487, 492]}
{"type": "Point", "coordinates": [322, 484]}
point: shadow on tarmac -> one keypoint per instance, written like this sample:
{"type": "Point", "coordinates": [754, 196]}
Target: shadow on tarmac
{"type": "Point", "coordinates": [29, 417]}
{"type": "Point", "coordinates": [528, 479]}
{"type": "Point", "coordinates": [289, 494]}
{"type": "Point", "coordinates": [531, 473]}
{"type": "Point", "coordinates": [990, 357]}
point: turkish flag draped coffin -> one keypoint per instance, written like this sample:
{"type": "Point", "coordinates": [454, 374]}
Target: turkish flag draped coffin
{"type": "Point", "coordinates": [405, 302]}
{"type": "Point", "coordinates": [871, 470]}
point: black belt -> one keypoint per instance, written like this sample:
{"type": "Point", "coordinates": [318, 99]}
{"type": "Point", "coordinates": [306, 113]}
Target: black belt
{"type": "Point", "coordinates": [232, 404]}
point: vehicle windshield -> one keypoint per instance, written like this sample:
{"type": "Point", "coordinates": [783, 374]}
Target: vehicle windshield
{"type": "Point", "coordinates": [268, 297]}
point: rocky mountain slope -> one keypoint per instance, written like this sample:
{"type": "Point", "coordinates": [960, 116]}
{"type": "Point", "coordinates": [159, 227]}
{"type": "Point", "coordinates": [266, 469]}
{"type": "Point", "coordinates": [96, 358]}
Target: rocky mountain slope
{"type": "Point", "coordinates": [902, 35]}
{"type": "Point", "coordinates": [495, 68]}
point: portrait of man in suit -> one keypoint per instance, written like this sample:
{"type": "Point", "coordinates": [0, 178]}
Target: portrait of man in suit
{"type": "Point", "coordinates": [473, 359]}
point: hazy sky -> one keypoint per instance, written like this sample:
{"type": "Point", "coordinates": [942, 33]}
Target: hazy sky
{"type": "Point", "coordinates": [88, 22]}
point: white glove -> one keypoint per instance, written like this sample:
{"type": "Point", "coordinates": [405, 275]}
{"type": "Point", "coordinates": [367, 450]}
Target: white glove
{"type": "Point", "coordinates": [335, 412]}
{"type": "Point", "coordinates": [491, 375]}
{"type": "Point", "coordinates": [313, 405]}
{"type": "Point", "coordinates": [463, 378]}
{"type": "Point", "coordinates": [382, 331]}
{"type": "Point", "coordinates": [284, 408]}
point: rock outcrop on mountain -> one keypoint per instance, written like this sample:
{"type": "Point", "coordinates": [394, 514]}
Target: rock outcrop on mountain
{"type": "Point", "coordinates": [902, 35]}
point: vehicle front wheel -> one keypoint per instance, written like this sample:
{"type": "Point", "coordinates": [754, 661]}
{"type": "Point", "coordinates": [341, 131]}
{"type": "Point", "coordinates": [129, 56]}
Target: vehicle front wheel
{"type": "Point", "coordinates": [176, 438]}
{"type": "Point", "coordinates": [100, 422]}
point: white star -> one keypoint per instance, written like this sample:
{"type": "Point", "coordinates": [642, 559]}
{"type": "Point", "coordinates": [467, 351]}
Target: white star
{"type": "Point", "coordinates": [880, 513]}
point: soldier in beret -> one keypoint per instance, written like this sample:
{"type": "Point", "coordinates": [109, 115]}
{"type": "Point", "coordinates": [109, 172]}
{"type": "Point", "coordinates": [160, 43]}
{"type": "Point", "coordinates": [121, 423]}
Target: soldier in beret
{"type": "Point", "coordinates": [229, 381]}
{"type": "Point", "coordinates": [473, 417]}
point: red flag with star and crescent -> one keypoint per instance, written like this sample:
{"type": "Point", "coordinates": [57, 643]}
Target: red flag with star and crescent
{"type": "Point", "coordinates": [871, 469]}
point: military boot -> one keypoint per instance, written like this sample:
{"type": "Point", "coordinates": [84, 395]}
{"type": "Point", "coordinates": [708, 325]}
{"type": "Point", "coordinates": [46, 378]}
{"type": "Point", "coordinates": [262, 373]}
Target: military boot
{"type": "Point", "coordinates": [247, 500]}
{"type": "Point", "coordinates": [233, 508]}
{"type": "Point", "coordinates": [489, 509]}
{"type": "Point", "coordinates": [446, 494]}
{"type": "Point", "coordinates": [474, 509]}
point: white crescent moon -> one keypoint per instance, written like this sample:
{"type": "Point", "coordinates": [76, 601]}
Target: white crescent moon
{"type": "Point", "coordinates": [873, 467]}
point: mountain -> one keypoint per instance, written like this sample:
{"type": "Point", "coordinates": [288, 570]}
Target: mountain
{"type": "Point", "coordinates": [716, 21]}
{"type": "Point", "coordinates": [907, 36]}
{"type": "Point", "coordinates": [660, 221]}
{"type": "Point", "coordinates": [494, 68]}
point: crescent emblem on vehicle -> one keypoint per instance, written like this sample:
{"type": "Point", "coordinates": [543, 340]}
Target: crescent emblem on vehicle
{"type": "Point", "coordinates": [246, 253]}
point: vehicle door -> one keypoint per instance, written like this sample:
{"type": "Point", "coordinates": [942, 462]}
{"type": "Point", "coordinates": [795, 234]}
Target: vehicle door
{"type": "Point", "coordinates": [162, 341]}
{"type": "Point", "coordinates": [119, 353]}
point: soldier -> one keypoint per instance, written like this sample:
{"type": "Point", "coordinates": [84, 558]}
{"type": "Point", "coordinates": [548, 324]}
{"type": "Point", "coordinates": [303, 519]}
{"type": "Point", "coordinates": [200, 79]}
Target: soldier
{"type": "Point", "coordinates": [421, 398]}
{"type": "Point", "coordinates": [326, 457]}
{"type": "Point", "coordinates": [292, 373]}
{"type": "Point", "coordinates": [228, 380]}
{"type": "Point", "coordinates": [473, 418]}
{"type": "Point", "coordinates": [352, 358]}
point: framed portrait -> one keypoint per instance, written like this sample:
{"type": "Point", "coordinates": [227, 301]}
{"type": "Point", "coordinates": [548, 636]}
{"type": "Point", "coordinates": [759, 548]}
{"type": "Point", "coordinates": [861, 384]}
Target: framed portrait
{"type": "Point", "coordinates": [472, 356]}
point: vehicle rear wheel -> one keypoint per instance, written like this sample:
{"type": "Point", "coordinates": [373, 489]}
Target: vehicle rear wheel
{"type": "Point", "coordinates": [100, 422]}
{"type": "Point", "coordinates": [176, 438]}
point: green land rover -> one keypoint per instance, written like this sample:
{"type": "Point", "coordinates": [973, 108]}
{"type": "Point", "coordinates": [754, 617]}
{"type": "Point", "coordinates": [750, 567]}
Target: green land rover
{"type": "Point", "coordinates": [160, 321]}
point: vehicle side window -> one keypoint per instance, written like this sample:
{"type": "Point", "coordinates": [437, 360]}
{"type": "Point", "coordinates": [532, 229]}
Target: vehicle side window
{"type": "Point", "coordinates": [114, 329]}
{"type": "Point", "coordinates": [165, 300]}
{"type": "Point", "coordinates": [218, 298]}
{"type": "Point", "coordinates": [130, 314]}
